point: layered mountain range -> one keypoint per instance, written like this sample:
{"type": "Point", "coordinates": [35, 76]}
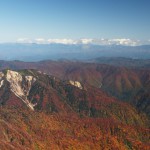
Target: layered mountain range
{"type": "Point", "coordinates": [126, 82]}
{"type": "Point", "coordinates": [73, 105]}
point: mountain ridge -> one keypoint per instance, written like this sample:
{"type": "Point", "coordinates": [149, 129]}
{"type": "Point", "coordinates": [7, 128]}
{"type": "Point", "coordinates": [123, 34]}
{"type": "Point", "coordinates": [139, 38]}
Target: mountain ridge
{"type": "Point", "coordinates": [119, 81]}
{"type": "Point", "coordinates": [63, 107]}
{"type": "Point", "coordinates": [44, 92]}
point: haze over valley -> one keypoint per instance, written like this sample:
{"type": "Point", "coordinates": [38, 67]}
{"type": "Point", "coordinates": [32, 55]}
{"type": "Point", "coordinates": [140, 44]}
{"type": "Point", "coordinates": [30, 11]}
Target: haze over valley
{"type": "Point", "coordinates": [82, 52]}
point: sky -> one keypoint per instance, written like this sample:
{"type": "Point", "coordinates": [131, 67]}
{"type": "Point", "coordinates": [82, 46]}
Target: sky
{"type": "Point", "coordinates": [75, 21]}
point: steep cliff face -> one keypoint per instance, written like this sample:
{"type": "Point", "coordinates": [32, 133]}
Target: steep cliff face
{"type": "Point", "coordinates": [20, 85]}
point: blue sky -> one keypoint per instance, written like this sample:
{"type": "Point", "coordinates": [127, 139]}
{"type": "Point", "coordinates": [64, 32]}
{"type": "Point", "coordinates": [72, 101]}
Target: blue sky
{"type": "Point", "coordinates": [74, 19]}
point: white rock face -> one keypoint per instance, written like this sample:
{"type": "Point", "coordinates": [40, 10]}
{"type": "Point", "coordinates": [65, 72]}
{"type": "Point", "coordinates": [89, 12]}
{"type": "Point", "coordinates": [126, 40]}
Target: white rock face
{"type": "Point", "coordinates": [20, 89]}
{"type": "Point", "coordinates": [76, 83]}
{"type": "Point", "coordinates": [15, 80]}
{"type": "Point", "coordinates": [100, 85]}
{"type": "Point", "coordinates": [1, 75]}
{"type": "Point", "coordinates": [1, 81]}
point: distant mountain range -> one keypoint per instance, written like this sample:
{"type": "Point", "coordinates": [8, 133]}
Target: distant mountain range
{"type": "Point", "coordinates": [121, 61]}
{"type": "Point", "coordinates": [37, 52]}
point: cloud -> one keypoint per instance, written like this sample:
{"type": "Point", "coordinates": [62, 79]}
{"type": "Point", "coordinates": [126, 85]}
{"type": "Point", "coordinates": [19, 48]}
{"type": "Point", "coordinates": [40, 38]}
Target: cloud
{"type": "Point", "coordinates": [70, 41]}
{"type": "Point", "coordinates": [62, 41]}
{"type": "Point", "coordinates": [84, 41]}
{"type": "Point", "coordinates": [40, 41]}
{"type": "Point", "coordinates": [102, 41]}
{"type": "Point", "coordinates": [23, 40]}
{"type": "Point", "coordinates": [126, 42]}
